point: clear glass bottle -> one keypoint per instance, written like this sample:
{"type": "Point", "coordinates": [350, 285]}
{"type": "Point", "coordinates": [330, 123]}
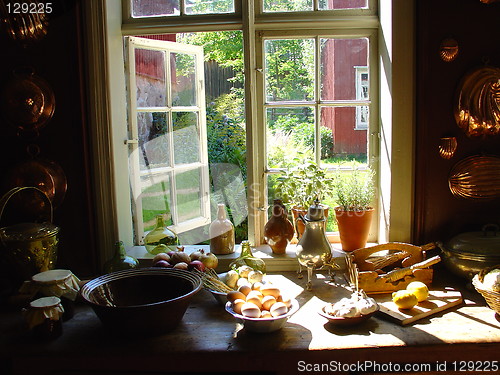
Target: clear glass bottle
{"type": "Point", "coordinates": [160, 235]}
{"type": "Point", "coordinates": [221, 233]}
{"type": "Point", "coordinates": [246, 258]}
{"type": "Point", "coordinates": [120, 260]}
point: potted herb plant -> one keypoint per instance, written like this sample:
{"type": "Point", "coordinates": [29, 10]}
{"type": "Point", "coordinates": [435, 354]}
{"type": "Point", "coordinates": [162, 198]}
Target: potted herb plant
{"type": "Point", "coordinates": [354, 192]}
{"type": "Point", "coordinates": [300, 186]}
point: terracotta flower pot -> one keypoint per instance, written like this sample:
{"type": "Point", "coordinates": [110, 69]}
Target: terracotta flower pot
{"type": "Point", "coordinates": [354, 227]}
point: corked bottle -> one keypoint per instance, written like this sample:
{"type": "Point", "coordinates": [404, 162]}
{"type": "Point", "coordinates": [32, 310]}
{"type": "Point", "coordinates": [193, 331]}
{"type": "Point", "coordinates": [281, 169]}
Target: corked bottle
{"type": "Point", "coordinates": [120, 260]}
{"type": "Point", "coordinates": [160, 235]}
{"type": "Point", "coordinates": [221, 233]}
{"type": "Point", "coordinates": [246, 258]}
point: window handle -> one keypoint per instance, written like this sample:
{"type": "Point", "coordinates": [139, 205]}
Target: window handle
{"type": "Point", "coordinates": [131, 141]}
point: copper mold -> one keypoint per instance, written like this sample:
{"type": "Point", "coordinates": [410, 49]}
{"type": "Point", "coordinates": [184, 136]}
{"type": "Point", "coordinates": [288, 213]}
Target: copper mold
{"type": "Point", "coordinates": [476, 178]}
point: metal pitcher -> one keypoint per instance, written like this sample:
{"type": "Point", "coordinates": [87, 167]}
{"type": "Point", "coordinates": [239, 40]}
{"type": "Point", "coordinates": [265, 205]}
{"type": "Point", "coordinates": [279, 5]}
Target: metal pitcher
{"type": "Point", "coordinates": [28, 248]}
{"type": "Point", "coordinates": [314, 250]}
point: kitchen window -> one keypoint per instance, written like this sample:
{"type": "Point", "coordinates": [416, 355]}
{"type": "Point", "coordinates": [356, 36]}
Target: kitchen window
{"type": "Point", "coordinates": [323, 22]}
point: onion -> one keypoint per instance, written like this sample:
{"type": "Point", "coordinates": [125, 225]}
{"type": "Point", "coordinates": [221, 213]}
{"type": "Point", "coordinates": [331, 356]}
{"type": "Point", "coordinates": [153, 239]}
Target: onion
{"type": "Point", "coordinates": [209, 260]}
{"type": "Point", "coordinates": [196, 254]}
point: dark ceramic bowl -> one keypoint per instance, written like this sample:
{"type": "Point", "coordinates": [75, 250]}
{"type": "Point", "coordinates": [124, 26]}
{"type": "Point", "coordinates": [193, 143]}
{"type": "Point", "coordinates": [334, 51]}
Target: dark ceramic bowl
{"type": "Point", "coordinates": [141, 301]}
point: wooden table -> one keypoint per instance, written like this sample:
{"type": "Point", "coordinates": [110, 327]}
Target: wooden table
{"type": "Point", "coordinates": [210, 340]}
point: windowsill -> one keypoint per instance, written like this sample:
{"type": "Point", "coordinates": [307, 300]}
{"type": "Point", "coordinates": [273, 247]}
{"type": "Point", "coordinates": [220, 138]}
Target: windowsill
{"type": "Point", "coordinates": [274, 262]}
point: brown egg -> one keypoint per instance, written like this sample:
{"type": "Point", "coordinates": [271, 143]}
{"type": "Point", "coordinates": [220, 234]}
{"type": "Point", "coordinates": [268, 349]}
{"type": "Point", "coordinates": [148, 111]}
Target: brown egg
{"type": "Point", "coordinates": [279, 308]}
{"type": "Point", "coordinates": [265, 314]}
{"type": "Point", "coordinates": [270, 291]}
{"type": "Point", "coordinates": [237, 304]}
{"type": "Point", "coordinates": [255, 300]}
{"type": "Point", "coordinates": [245, 289]}
{"type": "Point", "coordinates": [250, 310]}
{"type": "Point", "coordinates": [255, 293]}
{"type": "Point", "coordinates": [267, 302]}
{"type": "Point", "coordinates": [234, 295]}
{"type": "Point", "coordinates": [286, 300]}
{"type": "Point", "coordinates": [257, 286]}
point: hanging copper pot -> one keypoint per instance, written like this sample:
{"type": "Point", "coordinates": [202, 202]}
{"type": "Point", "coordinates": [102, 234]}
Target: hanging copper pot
{"type": "Point", "coordinates": [46, 175]}
{"type": "Point", "coordinates": [27, 101]}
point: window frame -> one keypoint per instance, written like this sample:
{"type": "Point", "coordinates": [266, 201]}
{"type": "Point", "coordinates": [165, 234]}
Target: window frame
{"type": "Point", "coordinates": [137, 175]}
{"type": "Point", "coordinates": [104, 31]}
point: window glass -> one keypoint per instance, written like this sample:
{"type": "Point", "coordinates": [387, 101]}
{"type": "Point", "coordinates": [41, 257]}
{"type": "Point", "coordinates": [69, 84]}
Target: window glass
{"type": "Point", "coordinates": [155, 200]}
{"type": "Point", "coordinates": [157, 8]}
{"type": "Point", "coordinates": [342, 4]}
{"type": "Point", "coordinates": [148, 8]}
{"type": "Point", "coordinates": [287, 5]}
{"type": "Point", "coordinates": [183, 79]}
{"type": "Point", "coordinates": [150, 78]}
{"type": "Point", "coordinates": [154, 145]}
{"type": "Point", "coordinates": [340, 59]}
{"type": "Point", "coordinates": [289, 69]}
{"type": "Point", "coordinates": [186, 137]}
{"type": "Point", "coordinates": [188, 194]}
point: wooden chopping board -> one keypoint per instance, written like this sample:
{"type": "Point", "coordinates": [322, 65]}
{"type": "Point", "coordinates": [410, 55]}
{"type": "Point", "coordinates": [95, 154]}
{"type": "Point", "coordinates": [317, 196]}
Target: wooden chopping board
{"type": "Point", "coordinates": [438, 301]}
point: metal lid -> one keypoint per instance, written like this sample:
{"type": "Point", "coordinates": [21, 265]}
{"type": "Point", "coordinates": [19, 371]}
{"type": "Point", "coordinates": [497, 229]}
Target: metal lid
{"type": "Point", "coordinates": [28, 231]}
{"type": "Point", "coordinates": [316, 212]}
{"type": "Point", "coordinates": [484, 244]}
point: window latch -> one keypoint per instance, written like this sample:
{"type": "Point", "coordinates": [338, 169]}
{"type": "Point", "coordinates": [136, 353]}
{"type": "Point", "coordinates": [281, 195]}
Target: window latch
{"type": "Point", "coordinates": [131, 141]}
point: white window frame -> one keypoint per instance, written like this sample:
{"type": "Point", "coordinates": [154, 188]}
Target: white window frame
{"type": "Point", "coordinates": [107, 113]}
{"type": "Point", "coordinates": [140, 179]}
{"type": "Point", "coordinates": [360, 95]}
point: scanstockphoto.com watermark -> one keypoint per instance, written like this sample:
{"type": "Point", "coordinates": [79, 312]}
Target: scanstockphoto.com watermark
{"type": "Point", "coordinates": [361, 367]}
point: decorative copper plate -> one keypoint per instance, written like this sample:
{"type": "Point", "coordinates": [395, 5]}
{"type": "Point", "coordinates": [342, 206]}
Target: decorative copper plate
{"type": "Point", "coordinates": [476, 177]}
{"type": "Point", "coordinates": [477, 111]}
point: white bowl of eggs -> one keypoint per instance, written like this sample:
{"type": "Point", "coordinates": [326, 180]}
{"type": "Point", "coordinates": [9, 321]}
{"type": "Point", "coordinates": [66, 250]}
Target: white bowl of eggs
{"type": "Point", "coordinates": [263, 310]}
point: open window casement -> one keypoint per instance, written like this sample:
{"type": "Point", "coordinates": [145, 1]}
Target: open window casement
{"type": "Point", "coordinates": [168, 161]}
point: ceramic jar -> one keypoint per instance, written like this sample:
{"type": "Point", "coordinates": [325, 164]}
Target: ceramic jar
{"type": "Point", "coordinates": [221, 233]}
{"type": "Point", "coordinates": [44, 317]}
{"type": "Point", "coordinates": [278, 231]}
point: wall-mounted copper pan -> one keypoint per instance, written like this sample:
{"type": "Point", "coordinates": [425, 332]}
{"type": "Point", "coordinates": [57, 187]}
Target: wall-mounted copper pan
{"type": "Point", "coordinates": [27, 101]}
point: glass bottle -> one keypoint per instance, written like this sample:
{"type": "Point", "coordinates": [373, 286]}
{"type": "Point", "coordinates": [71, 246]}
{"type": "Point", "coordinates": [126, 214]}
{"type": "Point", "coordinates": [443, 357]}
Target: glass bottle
{"type": "Point", "coordinates": [160, 235]}
{"type": "Point", "coordinates": [120, 260]}
{"type": "Point", "coordinates": [246, 258]}
{"type": "Point", "coordinates": [221, 233]}
{"type": "Point", "coordinates": [278, 231]}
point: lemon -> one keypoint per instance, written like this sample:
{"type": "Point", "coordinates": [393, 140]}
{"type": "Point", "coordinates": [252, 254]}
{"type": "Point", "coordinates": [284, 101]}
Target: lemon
{"type": "Point", "coordinates": [404, 299]}
{"type": "Point", "coordinates": [419, 289]}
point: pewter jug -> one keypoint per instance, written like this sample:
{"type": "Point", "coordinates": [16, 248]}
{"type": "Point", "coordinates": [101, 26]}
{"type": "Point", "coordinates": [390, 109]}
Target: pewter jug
{"type": "Point", "coordinates": [313, 250]}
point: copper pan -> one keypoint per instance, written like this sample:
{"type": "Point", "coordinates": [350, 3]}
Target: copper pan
{"type": "Point", "coordinates": [27, 101]}
{"type": "Point", "coordinates": [46, 175]}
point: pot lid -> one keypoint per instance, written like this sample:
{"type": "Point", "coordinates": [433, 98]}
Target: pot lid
{"type": "Point", "coordinates": [484, 243]}
{"type": "Point", "coordinates": [28, 231]}
{"type": "Point", "coordinates": [316, 212]}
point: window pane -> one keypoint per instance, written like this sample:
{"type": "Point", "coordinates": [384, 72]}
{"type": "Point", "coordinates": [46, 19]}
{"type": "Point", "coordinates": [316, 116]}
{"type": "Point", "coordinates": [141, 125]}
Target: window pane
{"type": "Point", "coordinates": [341, 140]}
{"type": "Point", "coordinates": [289, 69]}
{"type": "Point", "coordinates": [156, 200]}
{"type": "Point", "coordinates": [188, 196]}
{"type": "Point", "coordinates": [287, 5]}
{"type": "Point", "coordinates": [154, 144]}
{"type": "Point", "coordinates": [183, 79]}
{"type": "Point", "coordinates": [186, 137]}
{"type": "Point", "coordinates": [150, 78]}
{"type": "Point", "coordinates": [343, 4]}
{"type": "Point", "coordinates": [290, 136]}
{"type": "Point", "coordinates": [344, 68]}
{"type": "Point", "coordinates": [209, 6]}
{"type": "Point", "coordinates": [144, 8]}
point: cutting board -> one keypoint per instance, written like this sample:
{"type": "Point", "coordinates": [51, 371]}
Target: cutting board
{"type": "Point", "coordinates": [439, 300]}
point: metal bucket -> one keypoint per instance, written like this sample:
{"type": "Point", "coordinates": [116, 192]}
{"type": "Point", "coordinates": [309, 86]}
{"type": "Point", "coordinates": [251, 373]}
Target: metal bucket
{"type": "Point", "coordinates": [28, 248]}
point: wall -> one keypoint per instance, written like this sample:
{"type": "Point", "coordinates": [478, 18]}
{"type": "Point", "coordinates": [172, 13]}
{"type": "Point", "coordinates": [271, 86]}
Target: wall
{"type": "Point", "coordinates": [56, 58]}
{"type": "Point", "coordinates": [439, 215]}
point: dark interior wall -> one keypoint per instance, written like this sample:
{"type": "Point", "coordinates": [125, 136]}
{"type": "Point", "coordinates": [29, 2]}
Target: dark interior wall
{"type": "Point", "coordinates": [56, 59]}
{"type": "Point", "coordinates": [440, 215]}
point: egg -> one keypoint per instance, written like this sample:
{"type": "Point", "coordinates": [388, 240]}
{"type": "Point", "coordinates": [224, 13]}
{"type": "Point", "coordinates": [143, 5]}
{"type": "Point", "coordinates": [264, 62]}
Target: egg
{"type": "Point", "coordinates": [257, 286]}
{"type": "Point", "coordinates": [245, 289]}
{"type": "Point", "coordinates": [265, 314]}
{"type": "Point", "coordinates": [255, 300]}
{"type": "Point", "coordinates": [250, 310]}
{"type": "Point", "coordinates": [255, 293]}
{"type": "Point", "coordinates": [237, 304]}
{"type": "Point", "coordinates": [270, 291]}
{"type": "Point", "coordinates": [286, 300]}
{"type": "Point", "coordinates": [267, 302]}
{"type": "Point", "coordinates": [233, 295]}
{"type": "Point", "coordinates": [242, 281]}
{"type": "Point", "coordinates": [279, 308]}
